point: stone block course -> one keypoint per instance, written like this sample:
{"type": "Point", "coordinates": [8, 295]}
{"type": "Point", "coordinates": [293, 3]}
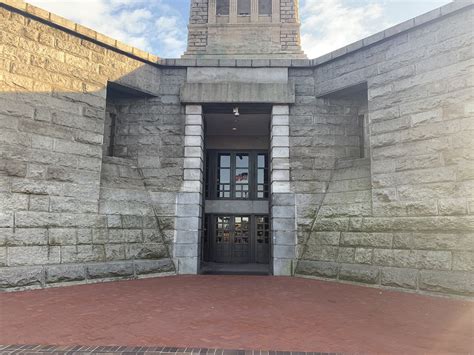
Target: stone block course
{"type": "Point", "coordinates": [64, 273]}
{"type": "Point", "coordinates": [20, 277]}
{"type": "Point", "coordinates": [110, 270]}
{"type": "Point", "coordinates": [359, 273]}
{"type": "Point", "coordinates": [448, 282]}
{"type": "Point", "coordinates": [399, 277]}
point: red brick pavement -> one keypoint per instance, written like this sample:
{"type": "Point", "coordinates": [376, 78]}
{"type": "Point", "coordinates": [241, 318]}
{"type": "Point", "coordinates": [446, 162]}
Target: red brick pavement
{"type": "Point", "coordinates": [239, 312]}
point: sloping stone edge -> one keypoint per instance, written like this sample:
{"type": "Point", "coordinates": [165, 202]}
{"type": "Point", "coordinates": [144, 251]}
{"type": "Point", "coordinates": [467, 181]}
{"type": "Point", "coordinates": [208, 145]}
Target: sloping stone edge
{"type": "Point", "coordinates": [440, 282]}
{"type": "Point", "coordinates": [33, 277]}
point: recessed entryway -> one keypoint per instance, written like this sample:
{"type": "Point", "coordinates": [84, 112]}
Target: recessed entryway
{"type": "Point", "coordinates": [236, 236]}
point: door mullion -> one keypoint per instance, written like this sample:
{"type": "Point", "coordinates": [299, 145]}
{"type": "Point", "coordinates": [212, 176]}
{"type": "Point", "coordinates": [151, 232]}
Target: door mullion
{"type": "Point", "coordinates": [232, 237]}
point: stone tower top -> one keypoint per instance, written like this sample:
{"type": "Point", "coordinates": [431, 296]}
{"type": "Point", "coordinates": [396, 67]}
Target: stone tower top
{"type": "Point", "coordinates": [244, 29]}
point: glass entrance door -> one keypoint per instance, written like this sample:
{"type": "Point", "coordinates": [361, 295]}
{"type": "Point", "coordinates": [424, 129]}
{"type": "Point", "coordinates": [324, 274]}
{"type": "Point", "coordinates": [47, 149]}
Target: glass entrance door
{"type": "Point", "coordinates": [239, 239]}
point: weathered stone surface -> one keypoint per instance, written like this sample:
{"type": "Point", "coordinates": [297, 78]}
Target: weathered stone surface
{"type": "Point", "coordinates": [110, 269]}
{"type": "Point", "coordinates": [21, 276]}
{"type": "Point", "coordinates": [399, 277]}
{"type": "Point", "coordinates": [33, 255]}
{"type": "Point", "coordinates": [434, 241]}
{"type": "Point", "coordinates": [153, 266]}
{"type": "Point", "coordinates": [65, 273]}
{"type": "Point", "coordinates": [317, 268]}
{"type": "Point", "coordinates": [367, 239]}
{"type": "Point", "coordinates": [28, 236]}
{"type": "Point", "coordinates": [463, 260]}
{"type": "Point", "coordinates": [359, 273]}
{"type": "Point", "coordinates": [447, 282]}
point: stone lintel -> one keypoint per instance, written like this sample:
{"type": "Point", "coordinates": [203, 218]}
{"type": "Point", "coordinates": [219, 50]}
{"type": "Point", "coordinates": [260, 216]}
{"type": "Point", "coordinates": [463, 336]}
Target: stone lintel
{"type": "Point", "coordinates": [242, 75]}
{"type": "Point", "coordinates": [238, 93]}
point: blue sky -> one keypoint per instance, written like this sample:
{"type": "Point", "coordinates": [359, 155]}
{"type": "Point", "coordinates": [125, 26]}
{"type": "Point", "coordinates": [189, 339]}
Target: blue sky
{"type": "Point", "coordinates": [159, 26]}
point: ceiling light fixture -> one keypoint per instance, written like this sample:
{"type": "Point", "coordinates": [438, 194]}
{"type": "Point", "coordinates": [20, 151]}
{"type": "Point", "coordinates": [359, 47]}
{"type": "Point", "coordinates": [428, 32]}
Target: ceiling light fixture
{"type": "Point", "coordinates": [236, 111]}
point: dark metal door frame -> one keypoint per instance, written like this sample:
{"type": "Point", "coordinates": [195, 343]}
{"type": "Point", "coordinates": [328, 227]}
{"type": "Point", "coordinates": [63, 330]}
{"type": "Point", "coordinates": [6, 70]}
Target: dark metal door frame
{"type": "Point", "coordinates": [212, 171]}
{"type": "Point", "coordinates": [224, 252]}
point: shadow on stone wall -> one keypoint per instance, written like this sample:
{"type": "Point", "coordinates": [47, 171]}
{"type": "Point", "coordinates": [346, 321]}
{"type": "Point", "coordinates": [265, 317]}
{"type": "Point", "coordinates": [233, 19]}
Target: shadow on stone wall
{"type": "Point", "coordinates": [69, 213]}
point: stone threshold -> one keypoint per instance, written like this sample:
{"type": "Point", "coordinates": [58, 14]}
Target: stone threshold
{"type": "Point", "coordinates": [209, 268]}
{"type": "Point", "coordinates": [132, 350]}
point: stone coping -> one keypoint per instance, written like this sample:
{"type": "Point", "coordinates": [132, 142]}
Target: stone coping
{"type": "Point", "coordinates": [70, 26]}
{"type": "Point", "coordinates": [116, 45]}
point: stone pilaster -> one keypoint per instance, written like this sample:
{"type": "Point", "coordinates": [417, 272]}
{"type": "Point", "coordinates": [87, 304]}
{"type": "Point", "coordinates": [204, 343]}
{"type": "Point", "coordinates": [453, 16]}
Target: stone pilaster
{"type": "Point", "coordinates": [254, 11]}
{"type": "Point", "coordinates": [212, 12]}
{"type": "Point", "coordinates": [283, 211]}
{"type": "Point", "coordinates": [275, 11]}
{"type": "Point", "coordinates": [189, 199]}
{"type": "Point", "coordinates": [233, 11]}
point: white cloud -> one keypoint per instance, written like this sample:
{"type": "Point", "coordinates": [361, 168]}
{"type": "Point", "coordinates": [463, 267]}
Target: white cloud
{"type": "Point", "coordinates": [130, 21]}
{"type": "Point", "coordinates": [331, 24]}
{"type": "Point", "coordinates": [160, 25]}
{"type": "Point", "coordinates": [171, 33]}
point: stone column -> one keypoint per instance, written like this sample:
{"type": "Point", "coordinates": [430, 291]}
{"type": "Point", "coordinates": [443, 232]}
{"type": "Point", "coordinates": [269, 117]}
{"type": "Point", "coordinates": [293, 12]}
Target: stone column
{"type": "Point", "coordinates": [212, 12]}
{"type": "Point", "coordinates": [254, 11]}
{"type": "Point", "coordinates": [233, 11]}
{"type": "Point", "coordinates": [283, 206]}
{"type": "Point", "coordinates": [189, 200]}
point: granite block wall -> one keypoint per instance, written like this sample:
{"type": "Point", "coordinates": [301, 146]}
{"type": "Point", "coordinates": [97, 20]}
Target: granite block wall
{"type": "Point", "coordinates": [68, 212]}
{"type": "Point", "coordinates": [406, 217]}
{"type": "Point", "coordinates": [380, 155]}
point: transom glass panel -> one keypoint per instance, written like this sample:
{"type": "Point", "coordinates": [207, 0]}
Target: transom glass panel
{"type": "Point", "coordinates": [237, 175]}
{"type": "Point", "coordinates": [242, 176]}
{"type": "Point", "coordinates": [262, 176]}
{"type": "Point", "coordinates": [264, 7]}
{"type": "Point", "coordinates": [223, 178]}
{"type": "Point", "coordinates": [222, 7]}
{"type": "Point", "coordinates": [243, 7]}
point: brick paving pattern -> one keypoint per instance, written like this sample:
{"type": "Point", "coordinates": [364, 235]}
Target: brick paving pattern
{"type": "Point", "coordinates": [75, 349]}
{"type": "Point", "coordinates": [237, 312]}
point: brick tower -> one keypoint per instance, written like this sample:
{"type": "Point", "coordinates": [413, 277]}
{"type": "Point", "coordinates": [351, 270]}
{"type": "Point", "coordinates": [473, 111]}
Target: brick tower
{"type": "Point", "coordinates": [244, 29]}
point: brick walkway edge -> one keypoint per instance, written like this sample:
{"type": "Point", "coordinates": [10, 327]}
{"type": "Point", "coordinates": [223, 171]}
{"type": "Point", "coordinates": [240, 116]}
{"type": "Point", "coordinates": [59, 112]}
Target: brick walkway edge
{"type": "Point", "coordinates": [60, 350]}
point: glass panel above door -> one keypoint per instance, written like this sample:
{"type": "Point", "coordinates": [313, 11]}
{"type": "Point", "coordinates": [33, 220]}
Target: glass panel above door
{"type": "Point", "coordinates": [223, 176]}
{"type": "Point", "coordinates": [240, 175]}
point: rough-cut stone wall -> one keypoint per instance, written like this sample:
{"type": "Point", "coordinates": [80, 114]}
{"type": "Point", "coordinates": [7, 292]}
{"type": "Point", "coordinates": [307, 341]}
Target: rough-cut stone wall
{"type": "Point", "coordinates": [199, 12]}
{"type": "Point", "coordinates": [289, 11]}
{"type": "Point", "coordinates": [417, 229]}
{"type": "Point", "coordinates": [197, 33]}
{"type": "Point", "coordinates": [59, 220]}
{"type": "Point", "coordinates": [290, 31]}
